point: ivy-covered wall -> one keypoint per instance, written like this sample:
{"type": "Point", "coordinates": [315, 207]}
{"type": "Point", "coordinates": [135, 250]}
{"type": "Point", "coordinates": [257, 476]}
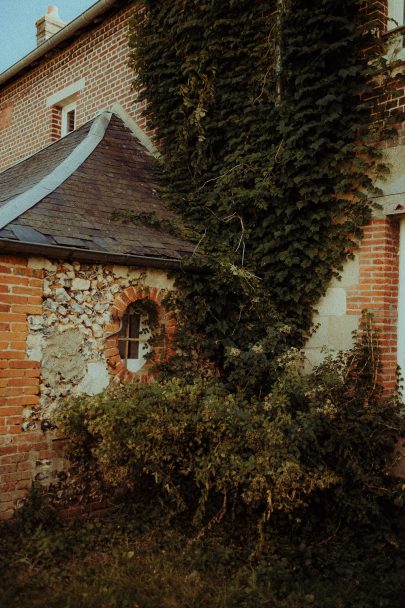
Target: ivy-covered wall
{"type": "Point", "coordinates": [266, 118]}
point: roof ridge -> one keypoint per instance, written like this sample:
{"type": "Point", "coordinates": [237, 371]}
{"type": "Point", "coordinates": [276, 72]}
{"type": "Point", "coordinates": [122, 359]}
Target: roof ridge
{"type": "Point", "coordinates": [136, 130]}
{"type": "Point", "coordinates": [21, 203]}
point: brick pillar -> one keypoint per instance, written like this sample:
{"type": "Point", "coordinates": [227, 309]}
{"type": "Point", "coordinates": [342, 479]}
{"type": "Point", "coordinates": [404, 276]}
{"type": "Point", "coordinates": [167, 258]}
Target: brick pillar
{"type": "Point", "coordinates": [56, 123]}
{"type": "Point", "coordinates": [377, 290]}
{"type": "Point", "coordinates": [20, 296]}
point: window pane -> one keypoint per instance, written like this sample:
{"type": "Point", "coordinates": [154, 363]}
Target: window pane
{"type": "Point", "coordinates": [133, 352]}
{"type": "Point", "coordinates": [124, 323]}
{"type": "Point", "coordinates": [135, 321]}
{"type": "Point", "coordinates": [121, 348]}
{"type": "Point", "coordinates": [70, 121]}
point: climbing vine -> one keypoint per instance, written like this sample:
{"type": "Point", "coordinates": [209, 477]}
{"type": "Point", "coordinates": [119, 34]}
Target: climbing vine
{"type": "Point", "coordinates": [264, 115]}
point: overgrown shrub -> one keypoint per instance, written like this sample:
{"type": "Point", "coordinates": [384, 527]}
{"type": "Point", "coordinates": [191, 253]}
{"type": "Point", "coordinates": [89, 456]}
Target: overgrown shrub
{"type": "Point", "coordinates": [320, 443]}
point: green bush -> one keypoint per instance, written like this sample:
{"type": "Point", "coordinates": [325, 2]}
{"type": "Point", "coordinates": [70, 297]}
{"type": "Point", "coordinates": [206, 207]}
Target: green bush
{"type": "Point", "coordinates": [321, 442]}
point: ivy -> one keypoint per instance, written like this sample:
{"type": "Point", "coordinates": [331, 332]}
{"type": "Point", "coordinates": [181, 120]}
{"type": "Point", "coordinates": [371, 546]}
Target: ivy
{"type": "Point", "coordinates": [265, 119]}
{"type": "Point", "coordinates": [152, 220]}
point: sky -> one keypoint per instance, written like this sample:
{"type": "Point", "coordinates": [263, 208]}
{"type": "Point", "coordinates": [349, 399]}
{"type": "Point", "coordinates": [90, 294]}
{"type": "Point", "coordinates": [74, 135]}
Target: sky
{"type": "Point", "coordinates": [17, 24]}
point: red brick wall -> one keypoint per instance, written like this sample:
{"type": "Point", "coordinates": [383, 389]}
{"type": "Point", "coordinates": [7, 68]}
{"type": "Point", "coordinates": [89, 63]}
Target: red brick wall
{"type": "Point", "coordinates": [20, 295]}
{"type": "Point", "coordinates": [99, 56]}
{"type": "Point", "coordinates": [27, 453]}
{"type": "Point", "coordinates": [377, 290]}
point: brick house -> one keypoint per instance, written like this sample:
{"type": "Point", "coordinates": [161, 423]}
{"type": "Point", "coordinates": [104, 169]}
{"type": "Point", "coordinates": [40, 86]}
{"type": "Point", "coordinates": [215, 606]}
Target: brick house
{"type": "Point", "coordinates": [81, 286]}
{"type": "Point", "coordinates": [77, 282]}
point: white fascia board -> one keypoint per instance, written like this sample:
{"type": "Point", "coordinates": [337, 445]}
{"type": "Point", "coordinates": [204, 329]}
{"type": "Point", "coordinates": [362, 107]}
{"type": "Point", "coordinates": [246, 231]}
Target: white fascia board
{"type": "Point", "coordinates": [62, 96]}
{"type": "Point", "coordinates": [25, 201]}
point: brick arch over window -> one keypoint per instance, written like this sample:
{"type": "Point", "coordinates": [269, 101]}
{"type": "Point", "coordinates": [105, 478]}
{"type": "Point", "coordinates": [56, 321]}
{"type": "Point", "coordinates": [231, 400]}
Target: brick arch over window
{"type": "Point", "coordinates": [162, 349]}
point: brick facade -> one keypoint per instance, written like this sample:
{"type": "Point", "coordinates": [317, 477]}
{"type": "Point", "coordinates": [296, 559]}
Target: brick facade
{"type": "Point", "coordinates": [100, 56]}
{"type": "Point", "coordinates": [22, 455]}
{"type": "Point", "coordinates": [371, 282]}
{"type": "Point", "coordinates": [58, 337]}
{"type": "Point", "coordinates": [28, 123]}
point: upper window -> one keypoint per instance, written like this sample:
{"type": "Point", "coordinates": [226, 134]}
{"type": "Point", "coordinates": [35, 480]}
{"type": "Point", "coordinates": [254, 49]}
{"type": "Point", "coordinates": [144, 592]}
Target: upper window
{"type": "Point", "coordinates": [133, 340]}
{"type": "Point", "coordinates": [68, 118]}
{"type": "Point", "coordinates": [63, 109]}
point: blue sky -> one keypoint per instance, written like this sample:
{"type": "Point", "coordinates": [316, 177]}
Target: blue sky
{"type": "Point", "coordinates": [17, 24]}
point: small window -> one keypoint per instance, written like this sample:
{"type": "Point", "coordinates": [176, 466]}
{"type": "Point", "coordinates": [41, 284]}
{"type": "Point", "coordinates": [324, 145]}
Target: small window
{"type": "Point", "coordinates": [133, 340]}
{"type": "Point", "coordinates": [68, 119]}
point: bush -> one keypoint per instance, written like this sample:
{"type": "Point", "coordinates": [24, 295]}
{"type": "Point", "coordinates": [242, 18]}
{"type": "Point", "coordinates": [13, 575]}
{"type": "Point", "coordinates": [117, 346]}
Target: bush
{"type": "Point", "coordinates": [320, 443]}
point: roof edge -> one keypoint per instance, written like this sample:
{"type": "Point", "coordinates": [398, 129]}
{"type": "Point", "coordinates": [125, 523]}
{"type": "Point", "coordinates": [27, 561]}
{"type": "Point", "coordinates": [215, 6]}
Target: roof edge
{"type": "Point", "coordinates": [25, 201]}
{"type": "Point", "coordinates": [87, 255]}
{"type": "Point", "coordinates": [82, 21]}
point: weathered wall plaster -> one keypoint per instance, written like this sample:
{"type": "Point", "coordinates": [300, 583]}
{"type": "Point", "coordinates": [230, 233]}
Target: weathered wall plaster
{"type": "Point", "coordinates": [334, 327]}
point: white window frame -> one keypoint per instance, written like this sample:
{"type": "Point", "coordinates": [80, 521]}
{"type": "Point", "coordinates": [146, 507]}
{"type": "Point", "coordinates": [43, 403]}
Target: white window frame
{"type": "Point", "coordinates": [143, 340]}
{"type": "Point", "coordinates": [64, 117]}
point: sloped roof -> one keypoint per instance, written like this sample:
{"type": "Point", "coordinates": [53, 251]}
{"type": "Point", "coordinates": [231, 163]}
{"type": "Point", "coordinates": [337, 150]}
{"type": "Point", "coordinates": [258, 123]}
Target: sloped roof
{"type": "Point", "coordinates": [73, 198]}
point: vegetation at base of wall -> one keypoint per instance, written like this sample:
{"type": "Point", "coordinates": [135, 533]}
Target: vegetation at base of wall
{"type": "Point", "coordinates": [231, 501]}
{"type": "Point", "coordinates": [134, 559]}
{"type": "Point", "coordinates": [312, 454]}
{"type": "Point", "coordinates": [265, 116]}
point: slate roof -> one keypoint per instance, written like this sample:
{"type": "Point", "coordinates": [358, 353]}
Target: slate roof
{"type": "Point", "coordinates": [77, 216]}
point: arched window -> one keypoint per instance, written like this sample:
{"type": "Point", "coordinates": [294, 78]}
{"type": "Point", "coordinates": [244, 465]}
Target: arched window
{"type": "Point", "coordinates": [142, 334]}
{"type": "Point", "coordinates": [134, 336]}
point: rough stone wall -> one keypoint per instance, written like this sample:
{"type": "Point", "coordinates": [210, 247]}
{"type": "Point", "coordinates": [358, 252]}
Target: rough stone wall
{"type": "Point", "coordinates": [69, 337]}
{"type": "Point", "coordinates": [56, 322]}
{"type": "Point", "coordinates": [100, 56]}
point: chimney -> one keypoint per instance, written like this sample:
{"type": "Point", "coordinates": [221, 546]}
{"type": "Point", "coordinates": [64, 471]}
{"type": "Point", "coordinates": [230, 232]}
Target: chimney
{"type": "Point", "coordinates": [48, 25]}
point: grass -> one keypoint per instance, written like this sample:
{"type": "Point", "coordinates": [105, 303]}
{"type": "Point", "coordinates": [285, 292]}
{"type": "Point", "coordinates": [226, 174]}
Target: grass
{"type": "Point", "coordinates": [136, 558]}
{"type": "Point", "coordinates": [118, 561]}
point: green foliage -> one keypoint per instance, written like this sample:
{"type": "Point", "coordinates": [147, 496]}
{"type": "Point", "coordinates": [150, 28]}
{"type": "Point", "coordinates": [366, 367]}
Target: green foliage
{"type": "Point", "coordinates": [265, 122]}
{"type": "Point", "coordinates": [207, 468]}
{"type": "Point", "coordinates": [151, 219]}
{"type": "Point", "coordinates": [243, 346]}
{"type": "Point", "coordinates": [36, 511]}
{"type": "Point", "coordinates": [318, 444]}
{"type": "Point", "coordinates": [135, 559]}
